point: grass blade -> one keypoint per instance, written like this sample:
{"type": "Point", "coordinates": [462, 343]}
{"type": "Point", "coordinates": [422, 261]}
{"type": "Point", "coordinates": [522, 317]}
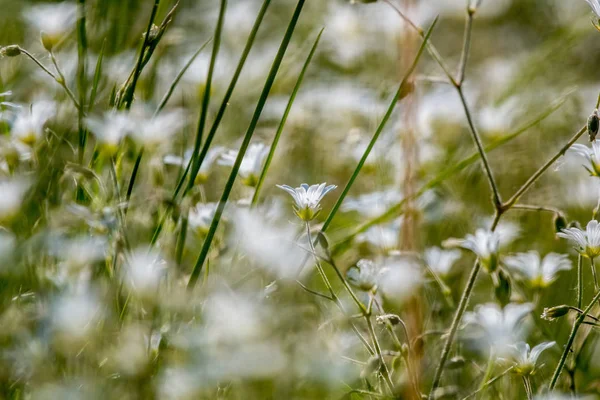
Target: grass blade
{"type": "Point", "coordinates": [247, 137]}
{"type": "Point", "coordinates": [97, 75]}
{"type": "Point", "coordinates": [81, 84]}
{"type": "Point", "coordinates": [263, 173]}
{"type": "Point", "coordinates": [388, 114]}
{"type": "Point", "coordinates": [175, 82]}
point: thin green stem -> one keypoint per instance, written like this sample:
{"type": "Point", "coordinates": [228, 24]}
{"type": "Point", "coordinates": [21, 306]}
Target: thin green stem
{"type": "Point", "coordinates": [488, 384]}
{"type": "Point", "coordinates": [576, 325]}
{"type": "Point", "coordinates": [286, 113]}
{"type": "Point", "coordinates": [81, 81]}
{"type": "Point", "coordinates": [530, 207]}
{"type": "Point", "coordinates": [385, 370]}
{"type": "Point", "coordinates": [246, 142]}
{"type": "Point", "coordinates": [593, 266]}
{"type": "Point", "coordinates": [464, 56]}
{"type": "Point", "coordinates": [134, 173]}
{"type": "Point", "coordinates": [62, 82]}
{"type": "Point", "coordinates": [528, 387]}
{"type": "Point", "coordinates": [579, 281]}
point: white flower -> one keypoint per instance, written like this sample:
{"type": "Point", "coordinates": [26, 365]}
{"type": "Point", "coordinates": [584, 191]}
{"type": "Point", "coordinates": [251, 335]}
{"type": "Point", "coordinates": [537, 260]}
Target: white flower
{"type": "Point", "coordinates": [484, 244]}
{"type": "Point", "coordinates": [525, 359]}
{"type": "Point", "coordinates": [28, 127]}
{"type": "Point", "coordinates": [143, 272]}
{"type": "Point", "coordinates": [213, 153]}
{"type": "Point", "coordinates": [13, 192]}
{"type": "Point", "coordinates": [252, 162]}
{"type": "Point", "coordinates": [200, 216]}
{"type": "Point", "coordinates": [586, 242]}
{"type": "Point", "coordinates": [595, 4]}
{"type": "Point", "coordinates": [592, 155]}
{"type": "Point", "coordinates": [364, 275]}
{"type": "Point", "coordinates": [110, 129]}
{"type": "Point", "coordinates": [501, 327]}
{"type": "Point", "coordinates": [154, 131]}
{"type": "Point", "coordinates": [441, 261]}
{"type": "Point", "coordinates": [55, 20]}
{"type": "Point", "coordinates": [73, 318]}
{"type": "Point", "coordinates": [384, 237]}
{"type": "Point", "coordinates": [540, 273]}
{"type": "Point", "coordinates": [372, 204]}
{"type": "Point", "coordinates": [308, 198]}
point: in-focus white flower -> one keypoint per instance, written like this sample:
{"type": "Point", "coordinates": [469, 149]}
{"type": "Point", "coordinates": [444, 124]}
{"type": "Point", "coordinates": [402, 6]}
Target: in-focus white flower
{"type": "Point", "coordinates": [586, 242]}
{"type": "Point", "coordinates": [441, 261]}
{"type": "Point", "coordinates": [252, 162]}
{"type": "Point", "coordinates": [501, 326]}
{"type": "Point", "coordinates": [591, 154]}
{"type": "Point", "coordinates": [308, 198]}
{"type": "Point", "coordinates": [28, 127]}
{"type": "Point", "coordinates": [54, 20]}
{"type": "Point", "coordinates": [200, 217]}
{"type": "Point", "coordinates": [213, 153]}
{"type": "Point", "coordinates": [485, 244]}
{"type": "Point", "coordinates": [143, 272]}
{"type": "Point", "coordinates": [539, 273]}
{"type": "Point", "coordinates": [13, 192]}
{"type": "Point", "coordinates": [154, 131]}
{"type": "Point", "coordinates": [110, 129]}
{"type": "Point", "coordinates": [525, 358]}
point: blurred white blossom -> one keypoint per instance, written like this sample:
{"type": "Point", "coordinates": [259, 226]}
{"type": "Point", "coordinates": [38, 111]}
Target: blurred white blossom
{"type": "Point", "coordinates": [201, 216]}
{"type": "Point", "coordinates": [524, 358]}
{"type": "Point", "coordinates": [586, 242]}
{"type": "Point", "coordinates": [13, 193]}
{"type": "Point", "coordinates": [110, 129]}
{"type": "Point", "coordinates": [54, 19]}
{"type": "Point", "coordinates": [441, 261]}
{"type": "Point", "coordinates": [485, 244]}
{"type": "Point", "coordinates": [540, 273]}
{"type": "Point", "coordinates": [252, 162]}
{"type": "Point", "coordinates": [28, 127]}
{"type": "Point", "coordinates": [144, 271]}
{"type": "Point", "coordinates": [591, 155]}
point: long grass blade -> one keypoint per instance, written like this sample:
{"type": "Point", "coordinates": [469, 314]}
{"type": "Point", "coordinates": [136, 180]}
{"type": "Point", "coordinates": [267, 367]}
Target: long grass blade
{"type": "Point", "coordinates": [286, 113]}
{"type": "Point", "coordinates": [97, 75]}
{"type": "Point", "coordinates": [242, 151]}
{"type": "Point", "coordinates": [382, 124]}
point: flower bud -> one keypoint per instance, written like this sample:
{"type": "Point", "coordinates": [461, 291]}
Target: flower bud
{"type": "Point", "coordinates": [456, 363]}
{"type": "Point", "coordinates": [391, 318]}
{"type": "Point", "coordinates": [560, 222]}
{"type": "Point", "coordinates": [502, 287]}
{"type": "Point", "coordinates": [593, 124]}
{"type": "Point", "coordinates": [552, 313]}
{"type": "Point", "coordinates": [10, 51]}
{"type": "Point", "coordinates": [47, 41]}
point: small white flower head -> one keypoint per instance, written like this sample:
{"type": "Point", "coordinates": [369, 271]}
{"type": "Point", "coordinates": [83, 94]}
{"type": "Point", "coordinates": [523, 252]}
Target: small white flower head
{"type": "Point", "coordinates": [80, 251]}
{"type": "Point", "coordinates": [591, 155]}
{"type": "Point", "coordinates": [586, 242]}
{"type": "Point", "coordinates": [485, 244]}
{"type": "Point", "coordinates": [110, 130]}
{"type": "Point", "coordinates": [28, 127]}
{"type": "Point", "coordinates": [143, 272]}
{"type": "Point", "coordinates": [372, 204]}
{"type": "Point", "coordinates": [441, 261]}
{"type": "Point", "coordinates": [53, 20]}
{"type": "Point", "coordinates": [152, 132]}
{"type": "Point", "coordinates": [399, 278]}
{"type": "Point", "coordinates": [252, 162]}
{"type": "Point", "coordinates": [13, 192]}
{"type": "Point", "coordinates": [383, 237]}
{"type": "Point", "coordinates": [595, 4]}
{"type": "Point", "coordinates": [501, 326]}
{"type": "Point", "coordinates": [212, 155]}
{"type": "Point", "coordinates": [74, 316]}
{"type": "Point", "coordinates": [308, 198]}
{"type": "Point", "coordinates": [540, 273]}
{"type": "Point", "coordinates": [364, 275]}
{"type": "Point", "coordinates": [525, 358]}
{"type": "Point", "coordinates": [200, 217]}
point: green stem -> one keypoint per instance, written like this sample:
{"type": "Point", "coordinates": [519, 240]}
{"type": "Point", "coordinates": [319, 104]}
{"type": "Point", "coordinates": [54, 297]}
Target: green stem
{"type": "Point", "coordinates": [81, 84]}
{"type": "Point", "coordinates": [488, 384]}
{"type": "Point", "coordinates": [134, 173]}
{"type": "Point", "coordinates": [579, 281]}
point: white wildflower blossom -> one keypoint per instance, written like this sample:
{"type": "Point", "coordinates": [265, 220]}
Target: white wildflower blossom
{"type": "Point", "coordinates": [586, 242]}
{"type": "Point", "coordinates": [200, 217]}
{"type": "Point", "coordinates": [441, 261]}
{"type": "Point", "coordinates": [524, 358]}
{"type": "Point", "coordinates": [154, 131]}
{"type": "Point", "coordinates": [364, 275]}
{"type": "Point", "coordinates": [13, 193]}
{"type": "Point", "coordinates": [485, 244]}
{"type": "Point", "coordinates": [54, 20]}
{"type": "Point", "coordinates": [372, 204]}
{"type": "Point", "coordinates": [595, 5]}
{"type": "Point", "coordinates": [591, 155]}
{"type": "Point", "coordinates": [501, 326]}
{"type": "Point", "coordinates": [212, 155]}
{"type": "Point", "coordinates": [110, 129]}
{"type": "Point", "coordinates": [252, 162]}
{"type": "Point", "coordinates": [540, 273]}
{"type": "Point", "coordinates": [74, 317]}
{"type": "Point", "coordinates": [383, 237]}
{"type": "Point", "coordinates": [143, 272]}
{"type": "Point", "coordinates": [308, 198]}
{"type": "Point", "coordinates": [28, 127]}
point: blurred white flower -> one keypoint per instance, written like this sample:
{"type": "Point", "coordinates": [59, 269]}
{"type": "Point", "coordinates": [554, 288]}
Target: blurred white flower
{"type": "Point", "coordinates": [525, 358]}
{"type": "Point", "coordinates": [308, 198]}
{"type": "Point", "coordinates": [364, 275]}
{"type": "Point", "coordinates": [213, 153]}
{"type": "Point", "coordinates": [485, 244]}
{"type": "Point", "coordinates": [110, 129]}
{"type": "Point", "coordinates": [539, 273]}
{"type": "Point", "coordinates": [178, 383]}
{"type": "Point", "coordinates": [54, 20]}
{"type": "Point", "coordinates": [501, 327]}
{"type": "Point", "coordinates": [144, 269]}
{"type": "Point", "coordinates": [383, 237]}
{"type": "Point", "coordinates": [399, 279]}
{"type": "Point", "coordinates": [441, 261]}
{"type": "Point", "coordinates": [595, 4]}
{"type": "Point", "coordinates": [74, 316]}
{"type": "Point", "coordinates": [79, 251]}
{"type": "Point", "coordinates": [28, 127]}
{"type": "Point", "coordinates": [586, 242]}
{"type": "Point", "coordinates": [200, 217]}
{"type": "Point", "coordinates": [130, 355]}
{"type": "Point", "coordinates": [234, 318]}
{"type": "Point", "coordinates": [252, 162]}
{"type": "Point", "coordinates": [269, 243]}
{"type": "Point", "coordinates": [13, 193]}
{"type": "Point", "coordinates": [591, 155]}
{"type": "Point", "coordinates": [372, 204]}
{"type": "Point", "coordinates": [152, 132]}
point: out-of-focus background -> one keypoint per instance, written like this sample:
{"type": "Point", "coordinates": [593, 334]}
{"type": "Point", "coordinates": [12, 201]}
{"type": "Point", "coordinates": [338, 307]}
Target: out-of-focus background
{"type": "Point", "coordinates": [79, 321]}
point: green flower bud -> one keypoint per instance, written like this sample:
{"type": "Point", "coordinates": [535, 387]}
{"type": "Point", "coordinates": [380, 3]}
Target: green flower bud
{"type": "Point", "coordinates": [593, 124]}
{"type": "Point", "coordinates": [10, 51]}
{"type": "Point", "coordinates": [47, 41]}
{"type": "Point", "coordinates": [552, 313]}
{"type": "Point", "coordinates": [502, 287]}
{"type": "Point", "coordinates": [560, 222]}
